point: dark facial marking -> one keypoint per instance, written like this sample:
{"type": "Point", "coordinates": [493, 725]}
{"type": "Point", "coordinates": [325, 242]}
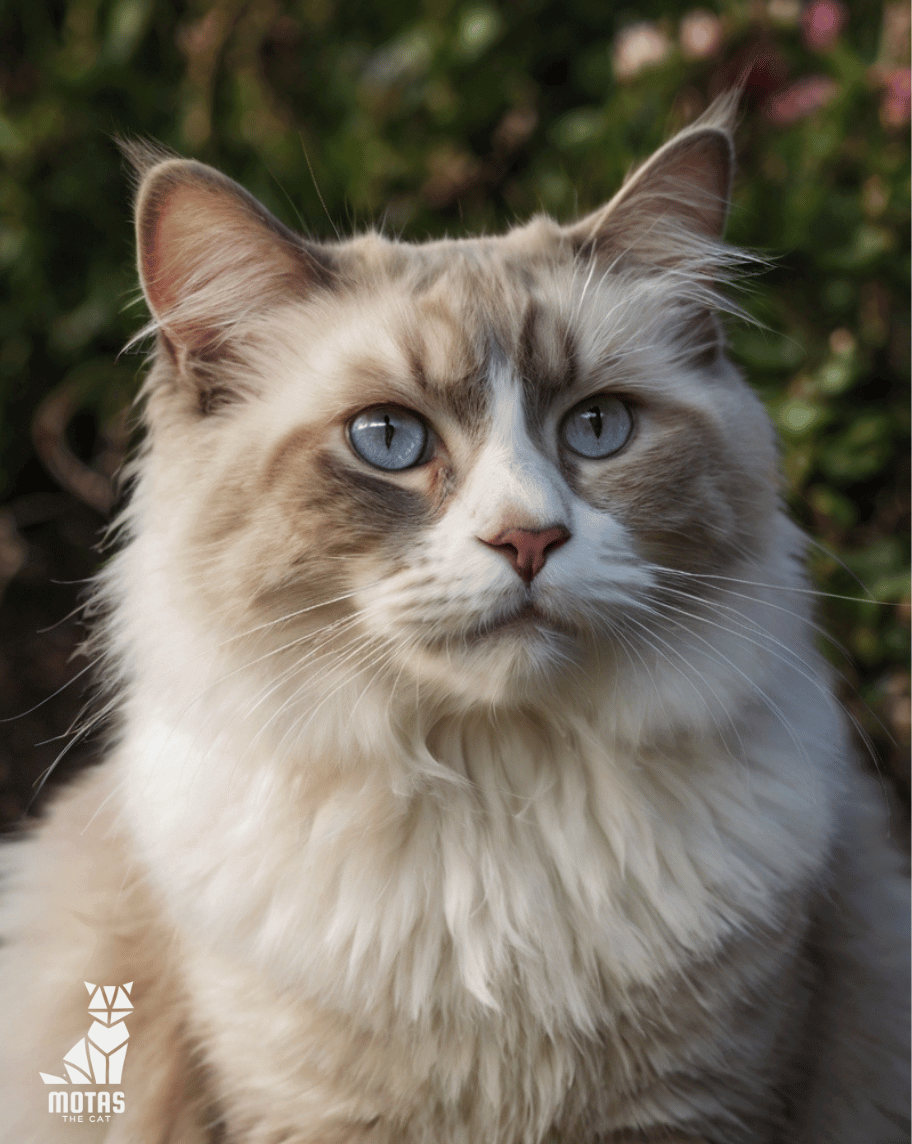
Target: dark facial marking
{"type": "Point", "coordinates": [365, 506]}
{"type": "Point", "coordinates": [291, 451]}
{"type": "Point", "coordinates": [548, 363]}
{"type": "Point", "coordinates": [469, 398]}
{"type": "Point", "coordinates": [683, 497]}
{"type": "Point", "coordinates": [464, 391]}
{"type": "Point", "coordinates": [413, 352]}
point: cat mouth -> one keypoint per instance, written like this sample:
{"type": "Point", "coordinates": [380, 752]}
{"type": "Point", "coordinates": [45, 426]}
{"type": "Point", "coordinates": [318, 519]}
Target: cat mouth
{"type": "Point", "coordinates": [527, 620]}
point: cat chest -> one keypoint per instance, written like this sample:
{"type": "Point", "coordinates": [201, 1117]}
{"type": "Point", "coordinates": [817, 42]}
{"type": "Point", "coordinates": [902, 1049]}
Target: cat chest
{"type": "Point", "coordinates": [456, 964]}
{"type": "Point", "coordinates": [462, 1073]}
{"type": "Point", "coordinates": [574, 891]}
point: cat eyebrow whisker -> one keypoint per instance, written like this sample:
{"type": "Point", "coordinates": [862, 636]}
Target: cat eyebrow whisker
{"type": "Point", "coordinates": [583, 292]}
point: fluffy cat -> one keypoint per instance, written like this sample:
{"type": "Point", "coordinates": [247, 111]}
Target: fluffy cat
{"type": "Point", "coordinates": [475, 778]}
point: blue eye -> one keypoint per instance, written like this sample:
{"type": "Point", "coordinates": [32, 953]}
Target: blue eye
{"type": "Point", "coordinates": [388, 437]}
{"type": "Point", "coordinates": [597, 427]}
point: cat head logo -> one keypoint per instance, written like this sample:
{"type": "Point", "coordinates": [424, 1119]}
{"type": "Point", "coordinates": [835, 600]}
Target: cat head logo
{"type": "Point", "coordinates": [98, 1057]}
{"type": "Point", "coordinates": [109, 1003]}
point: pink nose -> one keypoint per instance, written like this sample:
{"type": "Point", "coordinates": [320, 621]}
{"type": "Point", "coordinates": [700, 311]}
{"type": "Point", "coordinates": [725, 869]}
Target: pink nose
{"type": "Point", "coordinates": [527, 549]}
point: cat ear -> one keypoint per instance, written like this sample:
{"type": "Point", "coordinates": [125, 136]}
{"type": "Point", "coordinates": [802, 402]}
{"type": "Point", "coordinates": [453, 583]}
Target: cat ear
{"type": "Point", "coordinates": [211, 257]}
{"type": "Point", "coordinates": [674, 202]}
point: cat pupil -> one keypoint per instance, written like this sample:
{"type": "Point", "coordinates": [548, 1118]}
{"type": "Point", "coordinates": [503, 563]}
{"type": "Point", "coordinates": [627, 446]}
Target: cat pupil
{"type": "Point", "coordinates": [390, 430]}
{"type": "Point", "coordinates": [595, 419]}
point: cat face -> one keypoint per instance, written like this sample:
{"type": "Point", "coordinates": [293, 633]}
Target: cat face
{"type": "Point", "coordinates": [476, 464]}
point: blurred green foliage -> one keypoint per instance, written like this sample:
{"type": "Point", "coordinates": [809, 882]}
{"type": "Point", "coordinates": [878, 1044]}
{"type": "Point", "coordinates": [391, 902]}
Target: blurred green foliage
{"type": "Point", "coordinates": [463, 115]}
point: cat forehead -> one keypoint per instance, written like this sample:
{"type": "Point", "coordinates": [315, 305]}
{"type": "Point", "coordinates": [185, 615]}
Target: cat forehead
{"type": "Point", "coordinates": [446, 317]}
{"type": "Point", "coordinates": [541, 242]}
{"type": "Point", "coordinates": [447, 354]}
{"type": "Point", "coordinates": [433, 326]}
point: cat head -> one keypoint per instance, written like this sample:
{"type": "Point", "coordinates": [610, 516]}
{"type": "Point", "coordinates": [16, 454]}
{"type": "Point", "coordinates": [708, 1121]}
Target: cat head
{"type": "Point", "coordinates": [109, 1004]}
{"type": "Point", "coordinates": [473, 464]}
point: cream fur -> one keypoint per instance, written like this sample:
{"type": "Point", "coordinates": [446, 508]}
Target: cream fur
{"type": "Point", "coordinates": [388, 862]}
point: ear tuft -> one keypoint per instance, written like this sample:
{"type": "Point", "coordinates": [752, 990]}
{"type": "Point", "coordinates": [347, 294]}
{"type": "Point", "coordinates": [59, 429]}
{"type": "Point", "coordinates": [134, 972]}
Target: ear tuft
{"type": "Point", "coordinates": [142, 155]}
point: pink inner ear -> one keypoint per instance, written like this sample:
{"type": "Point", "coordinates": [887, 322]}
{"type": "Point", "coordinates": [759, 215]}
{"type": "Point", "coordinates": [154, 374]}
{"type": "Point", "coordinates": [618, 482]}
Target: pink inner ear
{"type": "Point", "coordinates": [192, 235]}
{"type": "Point", "coordinates": [689, 180]}
{"type": "Point", "coordinates": [701, 173]}
{"type": "Point", "coordinates": [683, 190]}
{"type": "Point", "coordinates": [163, 249]}
{"type": "Point", "coordinates": [208, 253]}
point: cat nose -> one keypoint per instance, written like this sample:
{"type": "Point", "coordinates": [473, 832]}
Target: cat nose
{"type": "Point", "coordinates": [527, 549]}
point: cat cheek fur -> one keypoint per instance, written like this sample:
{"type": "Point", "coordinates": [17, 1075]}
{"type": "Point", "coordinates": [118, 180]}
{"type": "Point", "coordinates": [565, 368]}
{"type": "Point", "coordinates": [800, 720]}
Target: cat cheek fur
{"type": "Point", "coordinates": [398, 845]}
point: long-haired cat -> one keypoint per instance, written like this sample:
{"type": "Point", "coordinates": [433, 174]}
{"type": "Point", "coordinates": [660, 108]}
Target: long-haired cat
{"type": "Point", "coordinates": [475, 779]}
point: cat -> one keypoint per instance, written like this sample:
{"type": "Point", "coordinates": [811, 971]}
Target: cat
{"type": "Point", "coordinates": [475, 778]}
{"type": "Point", "coordinates": [98, 1057]}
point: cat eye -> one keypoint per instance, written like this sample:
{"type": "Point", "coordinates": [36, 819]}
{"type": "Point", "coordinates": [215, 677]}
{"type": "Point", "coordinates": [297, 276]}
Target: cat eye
{"type": "Point", "coordinates": [597, 427]}
{"type": "Point", "coordinates": [390, 438]}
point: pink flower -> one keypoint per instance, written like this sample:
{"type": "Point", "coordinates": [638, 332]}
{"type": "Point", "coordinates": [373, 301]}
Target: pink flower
{"type": "Point", "coordinates": [701, 34]}
{"type": "Point", "coordinates": [801, 99]}
{"type": "Point", "coordinates": [895, 104]}
{"type": "Point", "coordinates": [638, 47]}
{"type": "Point", "coordinates": [822, 21]}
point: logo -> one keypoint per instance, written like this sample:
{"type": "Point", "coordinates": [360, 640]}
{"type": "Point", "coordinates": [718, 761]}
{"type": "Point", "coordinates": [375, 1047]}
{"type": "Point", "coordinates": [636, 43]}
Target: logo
{"type": "Point", "coordinates": [96, 1058]}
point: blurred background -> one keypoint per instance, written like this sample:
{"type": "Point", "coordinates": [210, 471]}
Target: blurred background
{"type": "Point", "coordinates": [451, 116]}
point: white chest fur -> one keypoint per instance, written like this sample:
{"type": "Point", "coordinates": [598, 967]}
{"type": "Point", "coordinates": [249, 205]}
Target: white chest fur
{"type": "Point", "coordinates": [508, 889]}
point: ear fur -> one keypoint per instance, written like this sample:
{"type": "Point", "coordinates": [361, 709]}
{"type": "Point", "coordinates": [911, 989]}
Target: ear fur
{"type": "Point", "coordinates": [676, 203]}
{"type": "Point", "coordinates": [211, 257]}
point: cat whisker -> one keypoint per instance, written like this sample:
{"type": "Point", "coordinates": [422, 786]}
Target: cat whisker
{"type": "Point", "coordinates": [47, 699]}
{"type": "Point", "coordinates": [202, 695]}
{"type": "Point", "coordinates": [328, 634]}
{"type": "Point", "coordinates": [648, 635]}
{"type": "Point", "coordinates": [721, 608]}
{"type": "Point", "coordinates": [754, 687]}
{"type": "Point", "coordinates": [769, 644]}
{"type": "Point", "coordinates": [77, 737]}
{"type": "Point", "coordinates": [393, 653]}
{"type": "Point", "coordinates": [631, 648]}
{"type": "Point", "coordinates": [789, 658]}
{"type": "Point", "coordinates": [357, 646]}
{"type": "Point", "coordinates": [718, 577]}
{"type": "Point", "coordinates": [311, 714]}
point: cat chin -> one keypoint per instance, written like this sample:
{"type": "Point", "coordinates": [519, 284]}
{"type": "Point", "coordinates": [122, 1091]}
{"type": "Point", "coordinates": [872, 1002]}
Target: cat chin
{"type": "Point", "coordinates": [510, 663]}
